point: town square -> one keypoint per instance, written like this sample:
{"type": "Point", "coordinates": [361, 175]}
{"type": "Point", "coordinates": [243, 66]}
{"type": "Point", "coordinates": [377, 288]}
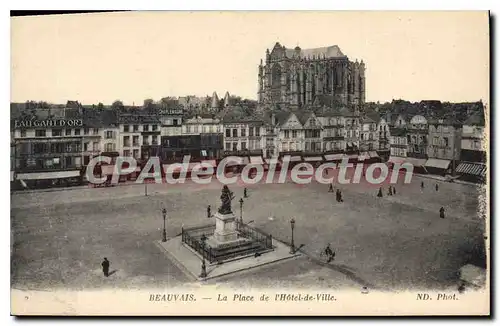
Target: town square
{"type": "Point", "coordinates": [391, 243]}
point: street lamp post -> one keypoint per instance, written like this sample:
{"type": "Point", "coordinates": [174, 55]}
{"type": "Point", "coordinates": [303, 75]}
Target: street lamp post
{"type": "Point", "coordinates": [164, 234]}
{"type": "Point", "coordinates": [241, 210]}
{"type": "Point", "coordinates": [292, 225]}
{"type": "Point", "coordinates": [203, 273]}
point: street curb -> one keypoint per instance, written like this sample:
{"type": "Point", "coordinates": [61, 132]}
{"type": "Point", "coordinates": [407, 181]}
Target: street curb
{"type": "Point", "coordinates": [297, 254]}
{"type": "Point", "coordinates": [175, 261]}
{"type": "Point", "coordinates": [249, 268]}
{"type": "Point", "coordinates": [442, 179]}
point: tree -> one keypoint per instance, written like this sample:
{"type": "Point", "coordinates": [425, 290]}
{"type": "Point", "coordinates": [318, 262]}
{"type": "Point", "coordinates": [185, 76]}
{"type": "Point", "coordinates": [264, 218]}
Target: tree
{"type": "Point", "coordinates": [117, 105]}
{"type": "Point", "coordinates": [100, 106]}
{"type": "Point", "coordinates": [148, 103]}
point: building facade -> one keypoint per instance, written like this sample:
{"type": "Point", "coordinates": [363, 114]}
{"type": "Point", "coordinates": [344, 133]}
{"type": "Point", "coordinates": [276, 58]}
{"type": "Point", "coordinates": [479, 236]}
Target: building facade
{"type": "Point", "coordinates": [296, 76]}
{"type": "Point", "coordinates": [48, 149]}
{"type": "Point", "coordinates": [368, 136]}
{"type": "Point", "coordinates": [243, 136]}
{"type": "Point", "coordinates": [333, 132]}
{"type": "Point", "coordinates": [417, 132]}
{"type": "Point", "coordinates": [398, 138]}
{"type": "Point", "coordinates": [444, 145]}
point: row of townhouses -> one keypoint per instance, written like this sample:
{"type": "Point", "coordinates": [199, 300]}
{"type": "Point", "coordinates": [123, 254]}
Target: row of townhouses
{"type": "Point", "coordinates": [57, 144]}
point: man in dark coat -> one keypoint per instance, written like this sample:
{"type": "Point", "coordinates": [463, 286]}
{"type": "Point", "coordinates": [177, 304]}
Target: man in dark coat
{"type": "Point", "coordinates": [380, 192]}
{"type": "Point", "coordinates": [437, 187]}
{"type": "Point", "coordinates": [422, 185]}
{"type": "Point", "coordinates": [330, 189]}
{"type": "Point", "coordinates": [245, 193]}
{"type": "Point", "coordinates": [441, 212]}
{"type": "Point", "coordinates": [340, 196]}
{"type": "Point", "coordinates": [105, 267]}
{"type": "Point", "coordinates": [209, 211]}
{"type": "Point", "coordinates": [390, 191]}
{"type": "Point", "coordinates": [393, 190]}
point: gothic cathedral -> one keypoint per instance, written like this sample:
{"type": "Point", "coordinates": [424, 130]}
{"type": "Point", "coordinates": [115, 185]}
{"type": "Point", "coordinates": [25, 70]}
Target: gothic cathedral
{"type": "Point", "coordinates": [296, 77]}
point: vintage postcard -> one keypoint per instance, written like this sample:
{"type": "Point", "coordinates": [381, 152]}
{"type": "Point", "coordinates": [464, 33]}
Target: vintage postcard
{"type": "Point", "coordinates": [250, 163]}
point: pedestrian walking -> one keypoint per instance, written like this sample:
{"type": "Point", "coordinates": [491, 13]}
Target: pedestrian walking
{"type": "Point", "coordinates": [441, 212]}
{"type": "Point", "coordinates": [330, 188]}
{"type": "Point", "coordinates": [380, 192]}
{"type": "Point", "coordinates": [394, 190]}
{"type": "Point", "coordinates": [437, 187]}
{"type": "Point", "coordinates": [422, 185]}
{"type": "Point", "coordinates": [105, 267]}
{"type": "Point", "coordinates": [209, 212]}
{"type": "Point", "coordinates": [245, 193]}
{"type": "Point", "coordinates": [390, 191]}
{"type": "Point", "coordinates": [340, 197]}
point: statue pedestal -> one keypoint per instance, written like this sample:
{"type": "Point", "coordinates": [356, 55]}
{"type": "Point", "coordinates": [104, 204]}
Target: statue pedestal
{"type": "Point", "coordinates": [225, 228]}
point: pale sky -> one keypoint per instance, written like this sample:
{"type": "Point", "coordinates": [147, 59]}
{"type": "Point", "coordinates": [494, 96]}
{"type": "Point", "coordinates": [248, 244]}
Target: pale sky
{"type": "Point", "coordinates": [132, 56]}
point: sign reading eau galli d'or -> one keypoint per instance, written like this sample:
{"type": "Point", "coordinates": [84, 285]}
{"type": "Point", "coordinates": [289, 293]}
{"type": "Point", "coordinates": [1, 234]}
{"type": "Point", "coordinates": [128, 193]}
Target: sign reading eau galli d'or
{"type": "Point", "coordinates": [49, 123]}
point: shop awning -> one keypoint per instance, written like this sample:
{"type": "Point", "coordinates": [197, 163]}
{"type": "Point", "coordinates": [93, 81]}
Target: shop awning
{"type": "Point", "coordinates": [334, 157]}
{"type": "Point", "coordinates": [256, 160]}
{"type": "Point", "coordinates": [107, 169]}
{"type": "Point", "coordinates": [294, 159]}
{"type": "Point", "coordinates": [353, 156]}
{"type": "Point", "coordinates": [212, 163]}
{"type": "Point", "coordinates": [313, 159]}
{"type": "Point", "coordinates": [177, 167]}
{"type": "Point", "coordinates": [48, 175]}
{"type": "Point", "coordinates": [437, 163]}
{"type": "Point", "coordinates": [272, 160]}
{"type": "Point", "coordinates": [373, 154]}
{"type": "Point", "coordinates": [415, 161]}
{"type": "Point", "coordinates": [363, 156]}
{"type": "Point", "coordinates": [396, 159]}
{"type": "Point", "coordinates": [234, 162]}
{"type": "Point", "coordinates": [477, 169]}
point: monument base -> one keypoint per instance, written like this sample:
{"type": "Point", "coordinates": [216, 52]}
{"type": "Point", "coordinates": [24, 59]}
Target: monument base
{"type": "Point", "coordinates": [225, 228]}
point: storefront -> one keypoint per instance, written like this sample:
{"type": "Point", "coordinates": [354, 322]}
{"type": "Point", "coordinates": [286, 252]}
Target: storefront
{"type": "Point", "coordinates": [315, 161]}
{"type": "Point", "coordinates": [49, 179]}
{"type": "Point", "coordinates": [437, 166]}
{"type": "Point", "coordinates": [472, 172]}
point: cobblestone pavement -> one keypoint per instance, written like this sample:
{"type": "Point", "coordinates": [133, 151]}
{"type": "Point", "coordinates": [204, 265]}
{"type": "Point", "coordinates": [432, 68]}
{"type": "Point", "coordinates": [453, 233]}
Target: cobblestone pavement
{"type": "Point", "coordinates": [392, 242]}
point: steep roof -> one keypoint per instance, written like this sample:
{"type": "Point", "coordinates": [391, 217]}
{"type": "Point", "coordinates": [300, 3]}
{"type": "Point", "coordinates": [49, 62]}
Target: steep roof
{"type": "Point", "coordinates": [373, 115]}
{"type": "Point", "coordinates": [324, 100]}
{"type": "Point", "coordinates": [367, 119]}
{"type": "Point", "coordinates": [328, 112]}
{"type": "Point", "coordinates": [281, 117]}
{"type": "Point", "coordinates": [303, 116]}
{"type": "Point", "coordinates": [477, 119]}
{"type": "Point", "coordinates": [227, 99]}
{"type": "Point", "coordinates": [332, 51]}
{"type": "Point", "coordinates": [215, 100]}
{"type": "Point", "coordinates": [395, 131]}
{"type": "Point", "coordinates": [447, 121]}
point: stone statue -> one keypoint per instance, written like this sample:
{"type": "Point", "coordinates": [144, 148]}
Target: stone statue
{"type": "Point", "coordinates": [226, 197]}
